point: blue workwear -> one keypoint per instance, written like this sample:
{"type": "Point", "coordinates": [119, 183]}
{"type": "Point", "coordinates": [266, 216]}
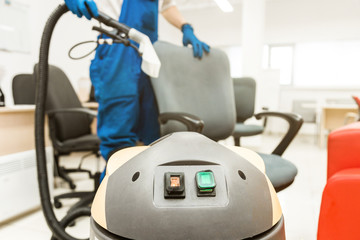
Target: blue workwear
{"type": "Point", "coordinates": [190, 38]}
{"type": "Point", "coordinates": [127, 108]}
{"type": "Point", "coordinates": [79, 8]}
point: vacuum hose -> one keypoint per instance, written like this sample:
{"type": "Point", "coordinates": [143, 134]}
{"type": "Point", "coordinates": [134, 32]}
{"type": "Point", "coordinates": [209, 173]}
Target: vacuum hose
{"type": "Point", "coordinates": [58, 228]}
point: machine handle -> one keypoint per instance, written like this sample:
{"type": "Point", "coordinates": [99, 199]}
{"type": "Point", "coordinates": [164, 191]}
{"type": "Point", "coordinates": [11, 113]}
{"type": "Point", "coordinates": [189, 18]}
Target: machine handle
{"type": "Point", "coordinates": [108, 21]}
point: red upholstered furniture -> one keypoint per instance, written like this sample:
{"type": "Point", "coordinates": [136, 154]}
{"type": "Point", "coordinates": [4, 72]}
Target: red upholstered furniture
{"type": "Point", "coordinates": [340, 206]}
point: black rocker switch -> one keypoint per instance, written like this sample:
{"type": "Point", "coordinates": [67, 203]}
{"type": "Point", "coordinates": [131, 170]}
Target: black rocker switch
{"type": "Point", "coordinates": [174, 183]}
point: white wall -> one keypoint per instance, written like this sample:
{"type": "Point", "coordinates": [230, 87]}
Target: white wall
{"type": "Point", "coordinates": [287, 21]}
{"type": "Point", "coordinates": [292, 21]}
{"type": "Point", "coordinates": [67, 33]}
{"type": "Point", "coordinates": [210, 25]}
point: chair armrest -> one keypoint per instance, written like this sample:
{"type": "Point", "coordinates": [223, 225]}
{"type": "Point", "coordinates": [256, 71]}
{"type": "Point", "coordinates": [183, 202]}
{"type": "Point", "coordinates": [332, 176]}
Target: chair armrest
{"type": "Point", "coordinates": [86, 111]}
{"type": "Point", "coordinates": [295, 122]}
{"type": "Point", "coordinates": [265, 119]}
{"type": "Point", "coordinates": [192, 122]}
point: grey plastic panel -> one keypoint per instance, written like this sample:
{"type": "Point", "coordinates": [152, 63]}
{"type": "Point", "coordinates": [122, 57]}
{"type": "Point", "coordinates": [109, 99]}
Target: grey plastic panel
{"type": "Point", "coordinates": [131, 212]}
{"type": "Point", "coordinates": [191, 200]}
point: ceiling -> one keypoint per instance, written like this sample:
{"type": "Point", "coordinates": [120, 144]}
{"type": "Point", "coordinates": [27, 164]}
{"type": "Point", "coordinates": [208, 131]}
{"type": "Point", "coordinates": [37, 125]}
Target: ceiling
{"type": "Point", "coordinates": [194, 4]}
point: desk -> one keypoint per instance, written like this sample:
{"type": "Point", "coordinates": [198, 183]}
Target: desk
{"type": "Point", "coordinates": [333, 117]}
{"type": "Point", "coordinates": [91, 105]}
{"type": "Point", "coordinates": [18, 161]}
{"type": "Point", "coordinates": [17, 129]}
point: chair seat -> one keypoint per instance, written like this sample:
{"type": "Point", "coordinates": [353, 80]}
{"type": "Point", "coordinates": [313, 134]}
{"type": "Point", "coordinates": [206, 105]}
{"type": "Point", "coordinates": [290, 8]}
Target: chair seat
{"type": "Point", "coordinates": [242, 130]}
{"type": "Point", "coordinates": [280, 171]}
{"type": "Point", "coordinates": [87, 142]}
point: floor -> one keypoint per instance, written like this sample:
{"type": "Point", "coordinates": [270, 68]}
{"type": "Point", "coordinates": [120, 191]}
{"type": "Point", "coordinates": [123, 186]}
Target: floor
{"type": "Point", "coordinates": [300, 202]}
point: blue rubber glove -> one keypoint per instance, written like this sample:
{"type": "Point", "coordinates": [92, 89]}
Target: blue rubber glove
{"type": "Point", "coordinates": [190, 38]}
{"type": "Point", "coordinates": [78, 7]}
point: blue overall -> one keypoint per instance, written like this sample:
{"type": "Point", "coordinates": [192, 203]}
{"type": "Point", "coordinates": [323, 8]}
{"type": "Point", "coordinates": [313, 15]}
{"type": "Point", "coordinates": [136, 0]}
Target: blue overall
{"type": "Point", "coordinates": [127, 108]}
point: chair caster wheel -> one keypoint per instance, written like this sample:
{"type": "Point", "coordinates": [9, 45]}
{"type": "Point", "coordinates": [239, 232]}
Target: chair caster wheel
{"type": "Point", "coordinates": [72, 186]}
{"type": "Point", "coordinates": [57, 204]}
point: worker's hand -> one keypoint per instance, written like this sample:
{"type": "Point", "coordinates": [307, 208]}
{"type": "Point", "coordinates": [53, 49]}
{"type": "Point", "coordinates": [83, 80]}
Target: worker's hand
{"type": "Point", "coordinates": [81, 8]}
{"type": "Point", "coordinates": [190, 38]}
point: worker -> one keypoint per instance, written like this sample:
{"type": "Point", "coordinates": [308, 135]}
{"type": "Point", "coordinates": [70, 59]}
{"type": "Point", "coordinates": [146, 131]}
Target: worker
{"type": "Point", "coordinates": [127, 111]}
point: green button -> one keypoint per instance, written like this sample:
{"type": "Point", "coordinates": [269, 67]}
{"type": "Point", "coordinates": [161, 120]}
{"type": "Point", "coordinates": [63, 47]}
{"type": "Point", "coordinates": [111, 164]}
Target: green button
{"type": "Point", "coordinates": [205, 181]}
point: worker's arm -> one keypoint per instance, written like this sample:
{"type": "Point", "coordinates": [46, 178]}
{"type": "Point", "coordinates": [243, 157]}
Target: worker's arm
{"type": "Point", "coordinates": [174, 17]}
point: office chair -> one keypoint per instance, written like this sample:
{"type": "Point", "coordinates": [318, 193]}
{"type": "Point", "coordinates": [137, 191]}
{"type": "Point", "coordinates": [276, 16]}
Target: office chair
{"type": "Point", "coordinates": [245, 92]}
{"type": "Point", "coordinates": [23, 88]}
{"type": "Point", "coordinates": [188, 87]}
{"type": "Point", "coordinates": [69, 128]}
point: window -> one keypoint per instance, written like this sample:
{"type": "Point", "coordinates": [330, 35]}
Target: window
{"type": "Point", "coordinates": [281, 57]}
{"type": "Point", "coordinates": [313, 64]}
{"type": "Point", "coordinates": [235, 58]}
{"type": "Point", "coordinates": [327, 64]}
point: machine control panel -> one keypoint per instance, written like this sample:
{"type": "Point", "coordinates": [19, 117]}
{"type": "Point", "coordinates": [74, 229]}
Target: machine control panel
{"type": "Point", "coordinates": [188, 186]}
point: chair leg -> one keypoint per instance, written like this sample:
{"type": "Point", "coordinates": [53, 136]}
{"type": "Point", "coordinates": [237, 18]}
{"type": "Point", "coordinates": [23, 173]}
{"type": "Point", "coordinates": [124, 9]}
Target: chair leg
{"type": "Point", "coordinates": [70, 195]}
{"type": "Point", "coordinates": [83, 201]}
{"type": "Point", "coordinates": [237, 141]}
{"type": "Point", "coordinates": [61, 171]}
{"type": "Point", "coordinates": [63, 174]}
{"type": "Point", "coordinates": [56, 164]}
{"type": "Point", "coordinates": [85, 197]}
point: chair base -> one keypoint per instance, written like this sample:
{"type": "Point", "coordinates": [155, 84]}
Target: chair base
{"type": "Point", "coordinates": [70, 195]}
{"type": "Point", "coordinates": [85, 197]}
{"type": "Point", "coordinates": [63, 172]}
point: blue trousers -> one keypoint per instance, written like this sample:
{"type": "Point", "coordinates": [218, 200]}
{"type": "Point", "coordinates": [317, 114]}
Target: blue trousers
{"type": "Point", "coordinates": [127, 107]}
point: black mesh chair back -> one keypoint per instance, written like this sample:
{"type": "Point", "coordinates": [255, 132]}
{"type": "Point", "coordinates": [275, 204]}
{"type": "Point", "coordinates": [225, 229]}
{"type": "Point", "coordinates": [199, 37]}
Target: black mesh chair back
{"type": "Point", "coordinates": [23, 88]}
{"type": "Point", "coordinates": [92, 94]}
{"type": "Point", "coordinates": [61, 95]}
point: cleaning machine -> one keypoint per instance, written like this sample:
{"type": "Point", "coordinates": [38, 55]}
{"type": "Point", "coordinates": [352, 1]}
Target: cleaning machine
{"type": "Point", "coordinates": [183, 186]}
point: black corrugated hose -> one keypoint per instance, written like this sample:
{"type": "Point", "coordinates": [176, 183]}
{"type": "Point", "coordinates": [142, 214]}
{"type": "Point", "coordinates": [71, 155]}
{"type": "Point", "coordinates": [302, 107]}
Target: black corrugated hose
{"type": "Point", "coordinates": [58, 228]}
